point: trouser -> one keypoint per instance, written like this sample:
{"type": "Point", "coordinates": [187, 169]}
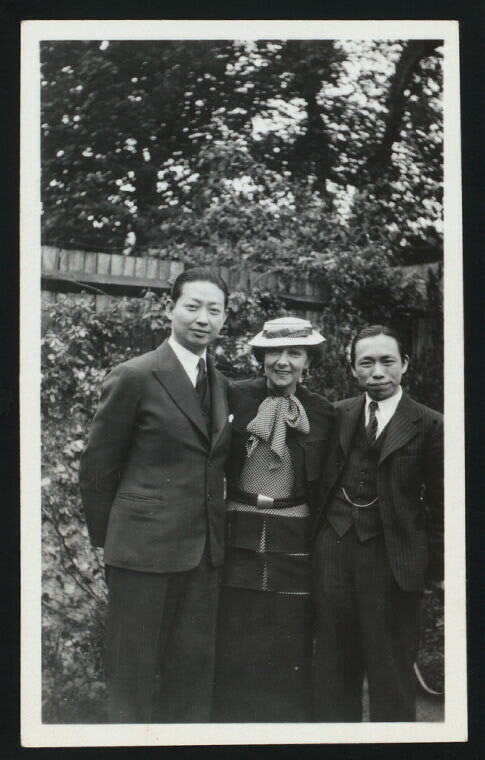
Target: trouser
{"type": "Point", "coordinates": [160, 642]}
{"type": "Point", "coordinates": [365, 623]}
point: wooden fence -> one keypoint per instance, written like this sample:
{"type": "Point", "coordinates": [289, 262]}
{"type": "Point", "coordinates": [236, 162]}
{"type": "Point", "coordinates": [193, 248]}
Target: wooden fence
{"type": "Point", "coordinates": [105, 276]}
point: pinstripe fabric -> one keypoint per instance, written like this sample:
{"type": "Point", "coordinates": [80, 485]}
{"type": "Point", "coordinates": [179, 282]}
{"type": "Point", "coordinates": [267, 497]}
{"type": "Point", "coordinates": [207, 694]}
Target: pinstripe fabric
{"type": "Point", "coordinates": [367, 593]}
{"type": "Point", "coordinates": [358, 481]}
{"type": "Point", "coordinates": [409, 486]}
{"type": "Point", "coordinates": [365, 623]}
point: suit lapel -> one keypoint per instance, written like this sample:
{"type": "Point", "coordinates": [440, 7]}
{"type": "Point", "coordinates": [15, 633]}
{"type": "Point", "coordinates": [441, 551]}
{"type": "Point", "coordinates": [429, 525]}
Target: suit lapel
{"type": "Point", "coordinates": [402, 427]}
{"type": "Point", "coordinates": [219, 407]}
{"type": "Point", "coordinates": [348, 422]}
{"type": "Point", "coordinates": [176, 382]}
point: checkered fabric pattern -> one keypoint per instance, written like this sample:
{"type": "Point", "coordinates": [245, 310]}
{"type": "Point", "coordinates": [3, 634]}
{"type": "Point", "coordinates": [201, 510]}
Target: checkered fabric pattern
{"type": "Point", "coordinates": [275, 413]}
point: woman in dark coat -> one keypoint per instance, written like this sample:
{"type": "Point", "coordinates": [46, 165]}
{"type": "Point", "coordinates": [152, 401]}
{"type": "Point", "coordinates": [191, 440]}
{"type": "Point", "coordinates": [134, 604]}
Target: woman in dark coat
{"type": "Point", "coordinates": [280, 435]}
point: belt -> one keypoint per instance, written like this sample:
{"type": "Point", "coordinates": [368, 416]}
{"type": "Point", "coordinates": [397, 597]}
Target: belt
{"type": "Point", "coordinates": [266, 502]}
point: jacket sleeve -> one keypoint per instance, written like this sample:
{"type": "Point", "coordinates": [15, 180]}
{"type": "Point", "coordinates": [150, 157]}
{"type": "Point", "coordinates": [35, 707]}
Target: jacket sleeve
{"type": "Point", "coordinates": [104, 456]}
{"type": "Point", "coordinates": [434, 484]}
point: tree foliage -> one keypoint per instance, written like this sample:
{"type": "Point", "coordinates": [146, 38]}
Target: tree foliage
{"type": "Point", "coordinates": [240, 148]}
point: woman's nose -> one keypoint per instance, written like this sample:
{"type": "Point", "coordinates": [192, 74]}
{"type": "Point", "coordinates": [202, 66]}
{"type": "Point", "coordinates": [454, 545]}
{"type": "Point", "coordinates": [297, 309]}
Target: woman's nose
{"type": "Point", "coordinates": [282, 358]}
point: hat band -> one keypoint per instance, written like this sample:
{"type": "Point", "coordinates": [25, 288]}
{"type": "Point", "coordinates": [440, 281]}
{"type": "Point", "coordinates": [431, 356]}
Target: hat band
{"type": "Point", "coordinates": [287, 332]}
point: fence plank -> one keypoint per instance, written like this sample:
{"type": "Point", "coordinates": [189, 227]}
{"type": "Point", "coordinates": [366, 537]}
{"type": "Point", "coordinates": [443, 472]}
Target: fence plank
{"type": "Point", "coordinates": [165, 270]}
{"type": "Point", "coordinates": [117, 263]}
{"type": "Point", "coordinates": [76, 261]}
{"type": "Point", "coordinates": [90, 262]}
{"type": "Point", "coordinates": [104, 260]}
{"type": "Point", "coordinates": [153, 268]}
{"type": "Point", "coordinates": [140, 267]}
{"type": "Point", "coordinates": [63, 261]}
{"type": "Point", "coordinates": [129, 268]}
{"type": "Point", "coordinates": [50, 258]}
{"type": "Point", "coordinates": [176, 268]}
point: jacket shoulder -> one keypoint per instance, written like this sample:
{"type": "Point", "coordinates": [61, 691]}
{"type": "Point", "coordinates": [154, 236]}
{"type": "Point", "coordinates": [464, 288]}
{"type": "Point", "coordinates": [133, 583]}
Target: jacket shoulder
{"type": "Point", "coordinates": [346, 403]}
{"type": "Point", "coordinates": [430, 415]}
{"type": "Point", "coordinates": [242, 388]}
{"type": "Point", "coordinates": [138, 363]}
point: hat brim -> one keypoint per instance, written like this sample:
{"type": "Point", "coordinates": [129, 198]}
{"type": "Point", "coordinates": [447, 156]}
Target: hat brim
{"type": "Point", "coordinates": [259, 341]}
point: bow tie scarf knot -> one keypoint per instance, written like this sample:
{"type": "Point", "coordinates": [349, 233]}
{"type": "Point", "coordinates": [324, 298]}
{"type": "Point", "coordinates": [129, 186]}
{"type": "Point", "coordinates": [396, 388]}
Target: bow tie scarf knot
{"type": "Point", "coordinates": [275, 414]}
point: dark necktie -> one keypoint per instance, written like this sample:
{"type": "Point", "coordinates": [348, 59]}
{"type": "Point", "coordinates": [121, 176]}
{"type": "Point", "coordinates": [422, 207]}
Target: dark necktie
{"type": "Point", "coordinates": [202, 388]}
{"type": "Point", "coordinates": [371, 429]}
{"type": "Point", "coordinates": [201, 382]}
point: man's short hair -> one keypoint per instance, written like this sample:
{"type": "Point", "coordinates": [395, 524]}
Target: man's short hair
{"type": "Point", "coordinates": [370, 332]}
{"type": "Point", "coordinates": [197, 274]}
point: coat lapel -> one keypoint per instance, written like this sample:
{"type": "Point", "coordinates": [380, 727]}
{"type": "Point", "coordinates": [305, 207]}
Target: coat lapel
{"type": "Point", "coordinates": [176, 382]}
{"type": "Point", "coordinates": [348, 422]}
{"type": "Point", "coordinates": [219, 406]}
{"type": "Point", "coordinates": [402, 427]}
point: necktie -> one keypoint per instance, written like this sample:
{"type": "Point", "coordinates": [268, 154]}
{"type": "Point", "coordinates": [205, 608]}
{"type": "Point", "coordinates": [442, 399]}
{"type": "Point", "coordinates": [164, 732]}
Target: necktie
{"type": "Point", "coordinates": [371, 428]}
{"type": "Point", "coordinates": [201, 382]}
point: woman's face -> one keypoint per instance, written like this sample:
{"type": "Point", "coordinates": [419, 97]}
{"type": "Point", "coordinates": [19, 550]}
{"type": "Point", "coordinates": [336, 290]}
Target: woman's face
{"type": "Point", "coordinates": [283, 367]}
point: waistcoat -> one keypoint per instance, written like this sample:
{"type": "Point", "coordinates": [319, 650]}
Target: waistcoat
{"type": "Point", "coordinates": [359, 479]}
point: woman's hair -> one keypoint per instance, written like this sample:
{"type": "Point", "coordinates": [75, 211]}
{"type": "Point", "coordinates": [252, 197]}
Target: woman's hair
{"type": "Point", "coordinates": [315, 353]}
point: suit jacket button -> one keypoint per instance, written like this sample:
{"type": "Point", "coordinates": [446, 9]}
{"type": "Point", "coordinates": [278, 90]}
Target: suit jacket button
{"type": "Point", "coordinates": [209, 463]}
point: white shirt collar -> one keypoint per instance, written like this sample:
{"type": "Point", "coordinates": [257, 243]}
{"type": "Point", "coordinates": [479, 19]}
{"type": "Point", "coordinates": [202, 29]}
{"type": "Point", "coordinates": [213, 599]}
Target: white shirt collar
{"type": "Point", "coordinates": [187, 359]}
{"type": "Point", "coordinates": [385, 410]}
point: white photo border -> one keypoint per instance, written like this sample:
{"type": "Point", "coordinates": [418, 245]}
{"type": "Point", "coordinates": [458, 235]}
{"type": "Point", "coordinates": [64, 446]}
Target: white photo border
{"type": "Point", "coordinates": [34, 733]}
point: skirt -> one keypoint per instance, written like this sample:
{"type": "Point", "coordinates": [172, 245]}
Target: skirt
{"type": "Point", "coordinates": [264, 653]}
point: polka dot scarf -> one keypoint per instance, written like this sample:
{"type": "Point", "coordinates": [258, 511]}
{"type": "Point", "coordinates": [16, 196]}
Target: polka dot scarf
{"type": "Point", "coordinates": [275, 413]}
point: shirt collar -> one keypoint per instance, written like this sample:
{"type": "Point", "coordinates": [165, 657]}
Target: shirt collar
{"type": "Point", "coordinates": [187, 359]}
{"type": "Point", "coordinates": [387, 406]}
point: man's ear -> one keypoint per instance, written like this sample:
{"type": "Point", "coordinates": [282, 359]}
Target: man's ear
{"type": "Point", "coordinates": [405, 364]}
{"type": "Point", "coordinates": [169, 309]}
{"type": "Point", "coordinates": [226, 314]}
{"type": "Point", "coordinates": [352, 369]}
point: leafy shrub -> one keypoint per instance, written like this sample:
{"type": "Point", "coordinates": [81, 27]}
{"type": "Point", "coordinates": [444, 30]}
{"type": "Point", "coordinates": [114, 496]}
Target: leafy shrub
{"type": "Point", "coordinates": [79, 347]}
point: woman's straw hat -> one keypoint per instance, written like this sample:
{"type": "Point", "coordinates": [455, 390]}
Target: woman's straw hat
{"type": "Point", "coordinates": [286, 331]}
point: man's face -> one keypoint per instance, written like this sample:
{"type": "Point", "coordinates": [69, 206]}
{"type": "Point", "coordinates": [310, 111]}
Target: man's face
{"type": "Point", "coordinates": [198, 315]}
{"type": "Point", "coordinates": [378, 366]}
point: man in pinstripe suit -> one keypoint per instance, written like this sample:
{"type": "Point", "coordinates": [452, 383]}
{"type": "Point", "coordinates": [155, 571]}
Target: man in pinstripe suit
{"type": "Point", "coordinates": [378, 538]}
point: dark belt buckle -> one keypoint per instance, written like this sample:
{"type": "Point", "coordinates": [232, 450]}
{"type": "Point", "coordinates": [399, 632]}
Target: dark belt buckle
{"type": "Point", "coordinates": [263, 502]}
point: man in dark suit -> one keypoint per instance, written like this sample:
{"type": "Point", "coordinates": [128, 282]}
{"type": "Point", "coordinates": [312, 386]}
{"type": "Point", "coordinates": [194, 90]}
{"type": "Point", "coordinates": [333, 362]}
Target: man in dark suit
{"type": "Point", "coordinates": [378, 538]}
{"type": "Point", "coordinates": [152, 487]}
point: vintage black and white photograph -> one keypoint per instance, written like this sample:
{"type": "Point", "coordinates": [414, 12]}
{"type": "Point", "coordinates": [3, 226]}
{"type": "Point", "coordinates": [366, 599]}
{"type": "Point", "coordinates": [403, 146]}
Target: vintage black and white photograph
{"type": "Point", "coordinates": [244, 246]}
